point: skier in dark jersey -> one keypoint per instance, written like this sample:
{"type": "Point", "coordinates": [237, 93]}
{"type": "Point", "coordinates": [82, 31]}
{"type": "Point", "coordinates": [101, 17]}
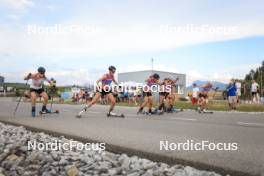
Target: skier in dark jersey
{"type": "Point", "coordinates": [167, 95]}
{"type": "Point", "coordinates": [171, 97]}
{"type": "Point", "coordinates": [163, 96]}
{"type": "Point", "coordinates": [104, 90]}
{"type": "Point", "coordinates": [147, 94]}
{"type": "Point", "coordinates": [203, 96]}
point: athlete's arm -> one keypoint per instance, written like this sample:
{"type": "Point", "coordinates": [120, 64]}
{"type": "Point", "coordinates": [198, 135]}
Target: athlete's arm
{"type": "Point", "coordinates": [147, 80]}
{"type": "Point", "coordinates": [100, 80]}
{"type": "Point", "coordinates": [176, 80]}
{"type": "Point", "coordinates": [32, 76]}
{"type": "Point", "coordinates": [28, 76]}
{"type": "Point", "coordinates": [158, 82]}
{"type": "Point", "coordinates": [115, 81]}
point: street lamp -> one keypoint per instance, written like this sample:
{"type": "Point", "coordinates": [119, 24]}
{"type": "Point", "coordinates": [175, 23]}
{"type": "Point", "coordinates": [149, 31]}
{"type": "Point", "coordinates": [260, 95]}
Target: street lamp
{"type": "Point", "coordinates": [152, 63]}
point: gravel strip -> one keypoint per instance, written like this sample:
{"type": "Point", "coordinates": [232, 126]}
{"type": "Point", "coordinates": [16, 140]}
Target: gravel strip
{"type": "Point", "coordinates": [16, 159]}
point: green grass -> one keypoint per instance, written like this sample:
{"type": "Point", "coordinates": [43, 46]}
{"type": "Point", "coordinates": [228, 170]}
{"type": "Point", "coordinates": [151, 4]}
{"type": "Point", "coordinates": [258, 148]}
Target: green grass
{"type": "Point", "coordinates": [216, 105]}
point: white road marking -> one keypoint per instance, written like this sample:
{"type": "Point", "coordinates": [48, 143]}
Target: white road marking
{"type": "Point", "coordinates": [133, 115]}
{"type": "Point", "coordinates": [186, 119]}
{"type": "Point", "coordinates": [67, 110]}
{"type": "Point", "coordinates": [94, 112]}
{"type": "Point", "coordinates": [250, 124]}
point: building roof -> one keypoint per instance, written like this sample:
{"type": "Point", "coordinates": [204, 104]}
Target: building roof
{"type": "Point", "coordinates": [152, 71]}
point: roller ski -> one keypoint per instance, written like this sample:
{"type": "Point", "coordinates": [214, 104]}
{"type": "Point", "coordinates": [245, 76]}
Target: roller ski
{"type": "Point", "coordinates": [155, 112]}
{"type": "Point", "coordinates": [111, 114]}
{"type": "Point", "coordinates": [158, 112]}
{"type": "Point", "coordinates": [149, 113]}
{"type": "Point", "coordinates": [174, 110]}
{"type": "Point", "coordinates": [48, 112]}
{"type": "Point", "coordinates": [140, 111]}
{"type": "Point", "coordinates": [204, 111]}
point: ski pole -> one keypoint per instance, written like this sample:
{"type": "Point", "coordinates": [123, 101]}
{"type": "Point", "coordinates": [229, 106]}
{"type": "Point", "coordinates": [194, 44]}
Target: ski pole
{"type": "Point", "coordinates": [19, 102]}
{"type": "Point", "coordinates": [51, 103]}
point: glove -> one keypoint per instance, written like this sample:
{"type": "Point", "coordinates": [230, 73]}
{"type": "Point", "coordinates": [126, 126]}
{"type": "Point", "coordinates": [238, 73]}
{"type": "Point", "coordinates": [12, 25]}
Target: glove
{"type": "Point", "coordinates": [28, 76]}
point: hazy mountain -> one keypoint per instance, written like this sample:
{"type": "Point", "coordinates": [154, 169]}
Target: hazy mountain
{"type": "Point", "coordinates": [220, 85]}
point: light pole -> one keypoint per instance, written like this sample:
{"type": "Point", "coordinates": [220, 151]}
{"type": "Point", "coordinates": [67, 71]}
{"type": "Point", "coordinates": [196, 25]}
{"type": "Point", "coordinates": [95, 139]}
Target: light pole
{"type": "Point", "coordinates": [152, 63]}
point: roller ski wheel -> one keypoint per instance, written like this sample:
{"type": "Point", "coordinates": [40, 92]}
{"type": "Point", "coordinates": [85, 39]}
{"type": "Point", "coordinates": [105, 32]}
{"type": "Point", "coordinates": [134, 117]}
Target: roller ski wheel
{"type": "Point", "coordinates": [177, 110]}
{"type": "Point", "coordinates": [115, 115]}
{"type": "Point", "coordinates": [78, 116]}
{"type": "Point", "coordinates": [146, 113]}
{"type": "Point", "coordinates": [158, 112]}
{"type": "Point", "coordinates": [141, 112]}
{"type": "Point", "coordinates": [153, 113]}
{"type": "Point", "coordinates": [49, 112]}
{"type": "Point", "coordinates": [205, 112]}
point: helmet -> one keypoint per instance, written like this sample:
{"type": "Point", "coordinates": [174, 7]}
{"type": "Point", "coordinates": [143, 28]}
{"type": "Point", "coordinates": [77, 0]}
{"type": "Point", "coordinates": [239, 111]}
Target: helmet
{"type": "Point", "coordinates": [156, 76]}
{"type": "Point", "coordinates": [41, 70]}
{"type": "Point", "coordinates": [112, 68]}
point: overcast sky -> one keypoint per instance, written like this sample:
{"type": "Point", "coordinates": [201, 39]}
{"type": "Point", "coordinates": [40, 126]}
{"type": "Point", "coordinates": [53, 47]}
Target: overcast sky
{"type": "Point", "coordinates": [77, 40]}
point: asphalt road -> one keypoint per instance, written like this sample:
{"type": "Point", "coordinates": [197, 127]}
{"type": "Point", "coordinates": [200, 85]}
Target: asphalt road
{"type": "Point", "coordinates": [142, 134]}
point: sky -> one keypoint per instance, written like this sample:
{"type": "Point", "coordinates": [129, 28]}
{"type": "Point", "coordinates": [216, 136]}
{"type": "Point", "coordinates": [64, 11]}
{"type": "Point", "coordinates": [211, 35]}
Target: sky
{"type": "Point", "coordinates": [77, 40]}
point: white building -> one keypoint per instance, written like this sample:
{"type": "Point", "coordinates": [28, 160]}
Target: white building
{"type": "Point", "coordinates": [141, 76]}
{"type": "Point", "coordinates": [2, 79]}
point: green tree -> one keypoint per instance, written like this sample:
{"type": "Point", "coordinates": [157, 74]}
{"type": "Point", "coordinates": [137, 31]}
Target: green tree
{"type": "Point", "coordinates": [257, 75]}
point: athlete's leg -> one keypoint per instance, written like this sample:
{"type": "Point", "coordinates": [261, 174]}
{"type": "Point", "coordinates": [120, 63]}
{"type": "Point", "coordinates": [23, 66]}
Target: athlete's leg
{"type": "Point", "coordinates": [45, 97]}
{"type": "Point", "coordinates": [150, 104]}
{"type": "Point", "coordinates": [91, 103]}
{"type": "Point", "coordinates": [135, 100]}
{"type": "Point", "coordinates": [145, 102]}
{"type": "Point", "coordinates": [202, 103]}
{"type": "Point", "coordinates": [112, 100]}
{"type": "Point", "coordinates": [172, 98]}
{"type": "Point", "coordinates": [161, 102]}
{"type": "Point", "coordinates": [206, 101]}
{"type": "Point", "coordinates": [94, 100]}
{"type": "Point", "coordinates": [33, 97]}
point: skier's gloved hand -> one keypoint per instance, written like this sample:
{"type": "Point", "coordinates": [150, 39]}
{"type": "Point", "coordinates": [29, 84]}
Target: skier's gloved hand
{"type": "Point", "coordinates": [28, 76]}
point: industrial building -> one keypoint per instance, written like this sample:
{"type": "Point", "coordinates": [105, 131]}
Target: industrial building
{"type": "Point", "coordinates": [2, 80]}
{"type": "Point", "coordinates": [141, 76]}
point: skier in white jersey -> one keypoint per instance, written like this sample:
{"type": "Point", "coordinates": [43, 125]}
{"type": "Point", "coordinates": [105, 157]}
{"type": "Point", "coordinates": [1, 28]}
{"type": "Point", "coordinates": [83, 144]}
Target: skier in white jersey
{"type": "Point", "coordinates": [36, 88]}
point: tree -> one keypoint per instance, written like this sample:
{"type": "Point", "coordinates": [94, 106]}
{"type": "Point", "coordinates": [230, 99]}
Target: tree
{"type": "Point", "coordinates": [257, 75]}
